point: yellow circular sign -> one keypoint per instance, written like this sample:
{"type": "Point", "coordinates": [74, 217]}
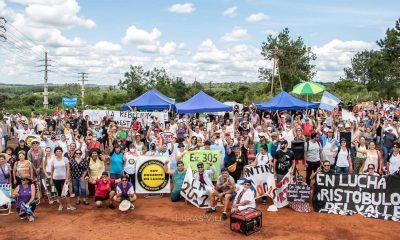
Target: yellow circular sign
{"type": "Point", "coordinates": [151, 175]}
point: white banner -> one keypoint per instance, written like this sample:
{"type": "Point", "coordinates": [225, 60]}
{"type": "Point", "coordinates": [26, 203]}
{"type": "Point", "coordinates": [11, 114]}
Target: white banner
{"type": "Point", "coordinates": [124, 118]}
{"type": "Point", "coordinates": [150, 175]}
{"type": "Point", "coordinates": [194, 191]}
{"type": "Point", "coordinates": [262, 178]}
{"type": "Point", "coordinates": [281, 192]}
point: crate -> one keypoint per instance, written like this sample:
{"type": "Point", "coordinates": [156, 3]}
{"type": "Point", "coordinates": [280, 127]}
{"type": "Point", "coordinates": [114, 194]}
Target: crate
{"type": "Point", "coordinates": [247, 221]}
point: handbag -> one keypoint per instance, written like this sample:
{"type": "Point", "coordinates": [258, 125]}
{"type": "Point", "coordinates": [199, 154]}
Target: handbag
{"type": "Point", "coordinates": [232, 167]}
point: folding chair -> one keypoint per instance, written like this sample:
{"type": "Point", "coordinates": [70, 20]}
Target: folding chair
{"type": "Point", "coordinates": [6, 188]}
{"type": "Point", "coordinates": [50, 191]}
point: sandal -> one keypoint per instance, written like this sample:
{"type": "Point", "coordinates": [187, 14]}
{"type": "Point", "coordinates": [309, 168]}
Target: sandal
{"type": "Point", "coordinates": [86, 202]}
{"type": "Point", "coordinates": [78, 202]}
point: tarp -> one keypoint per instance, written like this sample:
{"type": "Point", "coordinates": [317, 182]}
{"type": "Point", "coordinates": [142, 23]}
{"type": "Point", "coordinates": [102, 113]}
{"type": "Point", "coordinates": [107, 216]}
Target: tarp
{"type": "Point", "coordinates": [200, 103]}
{"type": "Point", "coordinates": [285, 101]}
{"type": "Point", "coordinates": [151, 100]}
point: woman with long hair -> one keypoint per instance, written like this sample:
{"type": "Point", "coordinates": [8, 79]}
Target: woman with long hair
{"type": "Point", "coordinates": [22, 169]}
{"type": "Point", "coordinates": [95, 169]}
{"type": "Point", "coordinates": [375, 157]}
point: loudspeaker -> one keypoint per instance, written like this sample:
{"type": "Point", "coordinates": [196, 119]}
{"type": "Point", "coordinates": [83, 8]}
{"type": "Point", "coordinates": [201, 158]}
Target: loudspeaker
{"type": "Point", "coordinates": [347, 136]}
{"type": "Point", "coordinates": [298, 150]}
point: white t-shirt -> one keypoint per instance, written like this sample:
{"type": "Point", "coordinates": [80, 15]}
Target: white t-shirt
{"type": "Point", "coordinates": [288, 136]}
{"type": "Point", "coordinates": [342, 160]}
{"type": "Point", "coordinates": [49, 163]}
{"type": "Point", "coordinates": [60, 171]}
{"type": "Point", "coordinates": [248, 195]}
{"type": "Point", "coordinates": [312, 155]}
{"type": "Point", "coordinates": [394, 163]}
{"type": "Point", "coordinates": [263, 159]}
{"type": "Point", "coordinates": [63, 145]}
{"type": "Point", "coordinates": [130, 163]}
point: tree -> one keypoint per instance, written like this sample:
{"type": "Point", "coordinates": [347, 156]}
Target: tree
{"type": "Point", "coordinates": [134, 82]}
{"type": "Point", "coordinates": [294, 59]}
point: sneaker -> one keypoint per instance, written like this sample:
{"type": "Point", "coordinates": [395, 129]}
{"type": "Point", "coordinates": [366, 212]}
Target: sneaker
{"type": "Point", "coordinates": [71, 208]}
{"type": "Point", "coordinates": [211, 210]}
{"type": "Point", "coordinates": [31, 218]}
{"type": "Point", "coordinates": [60, 208]}
{"type": "Point", "coordinates": [224, 216]}
{"type": "Point", "coordinates": [132, 206]}
{"type": "Point", "coordinates": [72, 195]}
{"type": "Point", "coordinates": [111, 206]}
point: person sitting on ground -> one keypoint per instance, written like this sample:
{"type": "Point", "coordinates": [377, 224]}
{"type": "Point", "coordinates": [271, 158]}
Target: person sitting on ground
{"type": "Point", "coordinates": [223, 189]}
{"type": "Point", "coordinates": [103, 190]}
{"type": "Point", "coordinates": [125, 191]}
{"type": "Point", "coordinates": [25, 194]}
{"type": "Point", "coordinates": [244, 197]}
{"type": "Point", "coordinates": [178, 176]}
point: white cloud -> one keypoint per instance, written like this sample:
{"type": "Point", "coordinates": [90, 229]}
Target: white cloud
{"type": "Point", "coordinates": [107, 46]}
{"type": "Point", "coordinates": [334, 56]}
{"type": "Point", "coordinates": [140, 36]}
{"type": "Point", "coordinates": [230, 12]}
{"type": "Point", "coordinates": [168, 48]}
{"type": "Point", "coordinates": [237, 34]}
{"type": "Point", "coordinates": [209, 53]}
{"type": "Point", "coordinates": [257, 17]}
{"type": "Point", "coordinates": [182, 8]}
{"type": "Point", "coordinates": [272, 32]}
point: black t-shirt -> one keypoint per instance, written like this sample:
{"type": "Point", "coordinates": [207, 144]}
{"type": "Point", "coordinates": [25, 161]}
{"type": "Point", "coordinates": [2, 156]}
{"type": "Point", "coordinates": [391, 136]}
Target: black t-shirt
{"type": "Point", "coordinates": [284, 161]}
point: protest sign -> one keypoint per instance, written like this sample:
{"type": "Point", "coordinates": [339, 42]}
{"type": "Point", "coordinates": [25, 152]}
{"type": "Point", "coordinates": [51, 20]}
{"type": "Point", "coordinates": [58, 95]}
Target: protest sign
{"type": "Point", "coordinates": [150, 175]}
{"type": "Point", "coordinates": [281, 192]}
{"type": "Point", "coordinates": [69, 102]}
{"type": "Point", "coordinates": [298, 193]}
{"type": "Point", "coordinates": [262, 178]}
{"type": "Point", "coordinates": [371, 196]}
{"type": "Point", "coordinates": [193, 157]}
{"type": "Point", "coordinates": [194, 191]}
{"type": "Point", "coordinates": [124, 118]}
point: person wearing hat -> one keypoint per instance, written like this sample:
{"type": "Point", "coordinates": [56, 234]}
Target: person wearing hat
{"type": "Point", "coordinates": [205, 176]}
{"type": "Point", "coordinates": [25, 194]}
{"type": "Point", "coordinates": [244, 196]}
{"type": "Point", "coordinates": [125, 191]}
{"type": "Point", "coordinates": [329, 146]}
{"type": "Point", "coordinates": [104, 190]}
{"type": "Point", "coordinates": [35, 156]}
{"type": "Point", "coordinates": [178, 176]}
{"type": "Point", "coordinates": [236, 161]}
{"type": "Point", "coordinates": [22, 146]}
{"type": "Point", "coordinates": [223, 192]}
{"type": "Point", "coordinates": [283, 161]}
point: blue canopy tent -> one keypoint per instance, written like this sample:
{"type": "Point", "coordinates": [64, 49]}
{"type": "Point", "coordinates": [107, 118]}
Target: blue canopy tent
{"type": "Point", "coordinates": [151, 100]}
{"type": "Point", "coordinates": [201, 102]}
{"type": "Point", "coordinates": [285, 101]}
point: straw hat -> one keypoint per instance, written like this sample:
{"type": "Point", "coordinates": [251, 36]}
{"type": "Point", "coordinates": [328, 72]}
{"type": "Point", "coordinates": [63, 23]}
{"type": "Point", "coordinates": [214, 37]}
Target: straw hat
{"type": "Point", "coordinates": [124, 205]}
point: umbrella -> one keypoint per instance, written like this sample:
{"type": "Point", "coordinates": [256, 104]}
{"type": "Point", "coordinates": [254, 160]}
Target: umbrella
{"type": "Point", "coordinates": [306, 88]}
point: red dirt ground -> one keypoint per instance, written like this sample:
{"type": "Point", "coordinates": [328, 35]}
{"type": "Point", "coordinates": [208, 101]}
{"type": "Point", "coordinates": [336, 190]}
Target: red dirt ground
{"type": "Point", "coordinates": [162, 219]}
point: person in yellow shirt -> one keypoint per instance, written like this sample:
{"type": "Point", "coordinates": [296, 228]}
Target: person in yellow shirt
{"type": "Point", "coordinates": [96, 167]}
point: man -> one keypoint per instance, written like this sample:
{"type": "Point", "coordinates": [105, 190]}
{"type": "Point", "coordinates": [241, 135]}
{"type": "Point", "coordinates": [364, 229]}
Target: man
{"type": "Point", "coordinates": [236, 162]}
{"type": "Point", "coordinates": [313, 155]}
{"type": "Point", "coordinates": [244, 197]}
{"type": "Point", "coordinates": [205, 176]}
{"type": "Point", "coordinates": [283, 161]}
{"type": "Point", "coordinates": [388, 140]}
{"type": "Point", "coordinates": [125, 191]}
{"type": "Point", "coordinates": [35, 156]}
{"type": "Point", "coordinates": [178, 176]}
{"type": "Point", "coordinates": [6, 130]}
{"type": "Point", "coordinates": [223, 188]}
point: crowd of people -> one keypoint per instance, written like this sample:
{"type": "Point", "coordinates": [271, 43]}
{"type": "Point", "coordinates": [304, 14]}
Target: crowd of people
{"type": "Point", "coordinates": [94, 158]}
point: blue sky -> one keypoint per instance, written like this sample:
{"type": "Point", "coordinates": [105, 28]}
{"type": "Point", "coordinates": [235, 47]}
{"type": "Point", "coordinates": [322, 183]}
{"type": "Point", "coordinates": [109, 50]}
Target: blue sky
{"type": "Point", "coordinates": [208, 40]}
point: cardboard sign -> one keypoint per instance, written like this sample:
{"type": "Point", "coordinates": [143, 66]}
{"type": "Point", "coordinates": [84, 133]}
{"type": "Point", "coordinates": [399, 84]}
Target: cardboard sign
{"type": "Point", "coordinates": [299, 193]}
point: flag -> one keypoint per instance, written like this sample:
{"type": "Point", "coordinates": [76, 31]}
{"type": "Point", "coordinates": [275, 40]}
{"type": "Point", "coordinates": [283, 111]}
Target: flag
{"type": "Point", "coordinates": [328, 101]}
{"type": "Point", "coordinates": [69, 102]}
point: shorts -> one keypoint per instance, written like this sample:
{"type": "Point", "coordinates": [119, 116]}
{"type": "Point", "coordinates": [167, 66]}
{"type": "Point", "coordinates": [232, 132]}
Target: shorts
{"type": "Point", "coordinates": [97, 198]}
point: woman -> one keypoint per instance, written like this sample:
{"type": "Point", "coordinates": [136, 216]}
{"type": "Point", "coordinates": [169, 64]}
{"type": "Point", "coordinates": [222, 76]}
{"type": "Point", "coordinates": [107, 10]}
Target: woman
{"type": "Point", "coordinates": [5, 170]}
{"type": "Point", "coordinates": [130, 158]}
{"type": "Point", "coordinates": [368, 135]}
{"type": "Point", "coordinates": [371, 170]}
{"type": "Point", "coordinates": [152, 150]}
{"type": "Point", "coordinates": [125, 191]}
{"type": "Point", "coordinates": [96, 167]}
{"type": "Point", "coordinates": [139, 145]}
{"type": "Point", "coordinates": [46, 169]}
{"type": "Point", "coordinates": [22, 147]}
{"type": "Point", "coordinates": [63, 143]}
{"type": "Point", "coordinates": [343, 159]}
{"type": "Point", "coordinates": [116, 161]}
{"type": "Point", "coordinates": [374, 156]}
{"type": "Point", "coordinates": [393, 164]}
{"type": "Point", "coordinates": [60, 174]}
{"type": "Point", "coordinates": [25, 194]}
{"type": "Point", "coordinates": [193, 144]}
{"type": "Point", "coordinates": [329, 146]}
{"type": "Point", "coordinates": [263, 157]}
{"type": "Point", "coordinates": [104, 190]}
{"type": "Point", "coordinates": [79, 167]}
{"type": "Point", "coordinates": [361, 154]}
{"type": "Point", "coordinates": [22, 169]}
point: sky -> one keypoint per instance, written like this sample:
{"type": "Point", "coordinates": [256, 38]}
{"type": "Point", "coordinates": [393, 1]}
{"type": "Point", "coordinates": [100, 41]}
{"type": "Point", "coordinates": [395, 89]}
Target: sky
{"type": "Point", "coordinates": [204, 40]}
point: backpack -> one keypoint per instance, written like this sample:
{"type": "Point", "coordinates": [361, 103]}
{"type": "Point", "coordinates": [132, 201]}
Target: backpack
{"type": "Point", "coordinates": [308, 145]}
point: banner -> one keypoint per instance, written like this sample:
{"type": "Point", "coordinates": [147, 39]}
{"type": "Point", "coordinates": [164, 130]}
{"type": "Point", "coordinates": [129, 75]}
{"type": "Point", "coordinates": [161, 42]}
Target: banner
{"type": "Point", "coordinates": [281, 192]}
{"type": "Point", "coordinates": [69, 102]}
{"type": "Point", "coordinates": [193, 157]}
{"type": "Point", "coordinates": [299, 193]}
{"type": "Point", "coordinates": [262, 178]}
{"type": "Point", "coordinates": [150, 175]}
{"type": "Point", "coordinates": [124, 118]}
{"type": "Point", "coordinates": [194, 191]}
{"type": "Point", "coordinates": [370, 196]}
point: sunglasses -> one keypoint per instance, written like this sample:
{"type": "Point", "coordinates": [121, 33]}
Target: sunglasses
{"type": "Point", "coordinates": [327, 165]}
{"type": "Point", "coordinates": [200, 167]}
{"type": "Point", "coordinates": [78, 153]}
{"type": "Point", "coordinates": [25, 179]}
{"type": "Point", "coordinates": [124, 180]}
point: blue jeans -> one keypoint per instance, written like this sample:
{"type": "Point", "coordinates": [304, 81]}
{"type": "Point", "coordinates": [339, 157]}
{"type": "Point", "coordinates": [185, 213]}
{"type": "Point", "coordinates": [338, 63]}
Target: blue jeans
{"type": "Point", "coordinates": [115, 176]}
{"type": "Point", "coordinates": [386, 152]}
{"type": "Point", "coordinates": [342, 170]}
{"type": "Point", "coordinates": [175, 196]}
{"type": "Point", "coordinates": [79, 187]}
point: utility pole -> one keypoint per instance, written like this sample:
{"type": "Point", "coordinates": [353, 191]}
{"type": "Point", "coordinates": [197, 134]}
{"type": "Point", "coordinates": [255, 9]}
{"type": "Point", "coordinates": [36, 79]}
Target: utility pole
{"type": "Point", "coordinates": [83, 79]}
{"type": "Point", "coordinates": [3, 29]}
{"type": "Point", "coordinates": [45, 86]}
{"type": "Point", "coordinates": [275, 68]}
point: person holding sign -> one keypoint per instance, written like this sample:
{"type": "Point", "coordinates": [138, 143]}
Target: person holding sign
{"type": "Point", "coordinates": [205, 176]}
{"type": "Point", "coordinates": [178, 176]}
{"type": "Point", "coordinates": [223, 189]}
